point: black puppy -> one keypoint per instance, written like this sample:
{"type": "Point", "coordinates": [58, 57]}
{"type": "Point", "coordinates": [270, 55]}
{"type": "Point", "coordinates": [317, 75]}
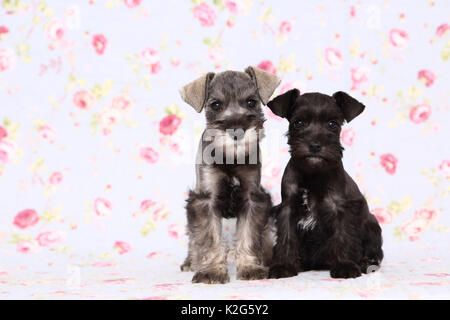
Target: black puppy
{"type": "Point", "coordinates": [323, 221]}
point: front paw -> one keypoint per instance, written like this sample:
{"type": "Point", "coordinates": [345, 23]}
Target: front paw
{"type": "Point", "coordinates": [345, 270]}
{"type": "Point", "coordinates": [186, 267]}
{"type": "Point", "coordinates": [211, 276]}
{"type": "Point", "coordinates": [251, 273]}
{"type": "Point", "coordinates": [282, 271]}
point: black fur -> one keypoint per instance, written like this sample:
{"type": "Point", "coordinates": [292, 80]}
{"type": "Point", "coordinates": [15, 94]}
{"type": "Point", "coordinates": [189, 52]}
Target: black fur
{"type": "Point", "coordinates": [345, 237]}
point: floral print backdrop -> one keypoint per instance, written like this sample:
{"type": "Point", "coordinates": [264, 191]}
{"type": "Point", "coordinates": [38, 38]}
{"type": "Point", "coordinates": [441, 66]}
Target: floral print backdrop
{"type": "Point", "coordinates": [97, 149]}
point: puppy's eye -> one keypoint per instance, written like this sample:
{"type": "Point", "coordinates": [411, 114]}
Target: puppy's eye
{"type": "Point", "coordinates": [215, 105]}
{"type": "Point", "coordinates": [332, 124]}
{"type": "Point", "coordinates": [299, 124]}
{"type": "Point", "coordinates": [251, 103]}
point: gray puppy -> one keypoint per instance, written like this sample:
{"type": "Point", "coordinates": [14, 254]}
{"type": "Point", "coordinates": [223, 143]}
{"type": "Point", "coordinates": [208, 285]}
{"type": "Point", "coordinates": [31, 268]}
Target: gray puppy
{"type": "Point", "coordinates": [228, 171]}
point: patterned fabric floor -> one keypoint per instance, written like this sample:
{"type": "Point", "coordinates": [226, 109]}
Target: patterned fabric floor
{"type": "Point", "coordinates": [402, 276]}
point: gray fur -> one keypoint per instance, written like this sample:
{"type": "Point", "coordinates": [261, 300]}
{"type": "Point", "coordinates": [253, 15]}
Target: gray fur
{"type": "Point", "coordinates": [228, 172]}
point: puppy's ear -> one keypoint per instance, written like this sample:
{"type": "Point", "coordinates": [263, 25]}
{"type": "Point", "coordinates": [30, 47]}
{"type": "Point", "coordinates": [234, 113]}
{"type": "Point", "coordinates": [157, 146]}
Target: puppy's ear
{"type": "Point", "coordinates": [265, 82]}
{"type": "Point", "coordinates": [350, 107]}
{"type": "Point", "coordinates": [282, 104]}
{"type": "Point", "coordinates": [195, 93]}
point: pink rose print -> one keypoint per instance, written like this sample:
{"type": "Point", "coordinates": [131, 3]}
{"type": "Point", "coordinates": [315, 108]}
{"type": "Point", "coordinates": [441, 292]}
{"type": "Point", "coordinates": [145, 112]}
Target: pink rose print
{"type": "Point", "coordinates": [26, 218]}
{"type": "Point", "coordinates": [149, 154]}
{"type": "Point", "coordinates": [232, 6]}
{"type": "Point", "coordinates": [47, 238]}
{"type": "Point", "coordinates": [285, 27]}
{"type": "Point", "coordinates": [426, 76]}
{"type": "Point", "coordinates": [99, 42]}
{"type": "Point", "coordinates": [55, 178]}
{"type": "Point", "coordinates": [359, 76]}
{"type": "Point", "coordinates": [84, 100]}
{"type": "Point", "coordinates": [383, 216]}
{"type": "Point", "coordinates": [56, 30]}
{"type": "Point", "coordinates": [398, 38]}
{"type": "Point", "coordinates": [3, 30]}
{"type": "Point", "coordinates": [132, 3]}
{"type": "Point", "coordinates": [7, 149]}
{"type": "Point", "coordinates": [176, 143]}
{"type": "Point", "coordinates": [268, 66]}
{"type": "Point", "coordinates": [442, 29]}
{"type": "Point", "coordinates": [4, 158]}
{"type": "Point", "coordinates": [347, 136]}
{"type": "Point", "coordinates": [352, 11]}
{"type": "Point", "coordinates": [160, 213]}
{"type": "Point", "coordinates": [147, 204]}
{"type": "Point", "coordinates": [27, 246]}
{"type": "Point", "coordinates": [169, 124]}
{"type": "Point", "coordinates": [102, 207]}
{"type": "Point", "coordinates": [121, 103]}
{"type": "Point", "coordinates": [426, 214]}
{"type": "Point", "coordinates": [231, 22]}
{"type": "Point", "coordinates": [176, 231]}
{"type": "Point", "coordinates": [205, 14]}
{"type": "Point", "coordinates": [389, 163]}
{"type": "Point", "coordinates": [152, 59]}
{"type": "Point", "coordinates": [47, 132]}
{"type": "Point", "coordinates": [154, 254]}
{"type": "Point", "coordinates": [109, 117]}
{"type": "Point", "coordinates": [8, 59]}
{"type": "Point", "coordinates": [333, 57]}
{"type": "Point", "coordinates": [444, 168]}
{"type": "Point", "coordinates": [150, 55]}
{"type": "Point", "coordinates": [122, 247]}
{"type": "Point", "coordinates": [155, 68]}
{"type": "Point", "coordinates": [420, 113]}
{"type": "Point", "coordinates": [414, 228]}
{"type": "Point", "coordinates": [3, 133]}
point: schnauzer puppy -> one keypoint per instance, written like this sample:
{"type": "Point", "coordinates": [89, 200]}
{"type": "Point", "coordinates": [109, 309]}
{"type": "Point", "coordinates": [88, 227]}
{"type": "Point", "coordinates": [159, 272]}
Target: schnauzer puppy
{"type": "Point", "coordinates": [228, 171]}
{"type": "Point", "coordinates": [323, 221]}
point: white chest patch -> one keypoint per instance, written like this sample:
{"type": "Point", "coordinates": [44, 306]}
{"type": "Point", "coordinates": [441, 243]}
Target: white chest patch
{"type": "Point", "coordinates": [307, 223]}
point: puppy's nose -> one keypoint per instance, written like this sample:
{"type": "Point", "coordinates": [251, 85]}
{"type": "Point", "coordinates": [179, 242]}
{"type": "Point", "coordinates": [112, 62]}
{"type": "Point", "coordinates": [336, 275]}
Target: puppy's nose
{"type": "Point", "coordinates": [314, 147]}
{"type": "Point", "coordinates": [236, 134]}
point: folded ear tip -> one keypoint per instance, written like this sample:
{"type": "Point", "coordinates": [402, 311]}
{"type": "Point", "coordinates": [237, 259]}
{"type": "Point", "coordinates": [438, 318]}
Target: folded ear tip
{"type": "Point", "coordinates": [338, 93]}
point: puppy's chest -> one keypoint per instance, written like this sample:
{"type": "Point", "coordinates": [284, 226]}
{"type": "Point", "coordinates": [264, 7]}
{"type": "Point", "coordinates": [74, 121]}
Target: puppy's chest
{"type": "Point", "coordinates": [313, 211]}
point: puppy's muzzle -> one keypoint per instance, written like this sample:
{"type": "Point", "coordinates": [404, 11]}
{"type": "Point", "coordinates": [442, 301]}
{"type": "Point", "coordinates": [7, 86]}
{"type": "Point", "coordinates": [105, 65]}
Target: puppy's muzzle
{"type": "Point", "coordinates": [315, 147]}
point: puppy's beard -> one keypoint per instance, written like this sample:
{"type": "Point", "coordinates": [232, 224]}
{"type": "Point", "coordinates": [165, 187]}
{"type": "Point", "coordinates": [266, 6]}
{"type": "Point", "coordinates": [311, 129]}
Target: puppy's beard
{"type": "Point", "coordinates": [315, 161]}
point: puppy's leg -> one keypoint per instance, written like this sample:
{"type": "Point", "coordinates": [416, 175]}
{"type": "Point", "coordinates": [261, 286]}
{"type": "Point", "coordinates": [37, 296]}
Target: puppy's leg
{"type": "Point", "coordinates": [286, 251]}
{"type": "Point", "coordinates": [268, 242]}
{"type": "Point", "coordinates": [249, 245]}
{"type": "Point", "coordinates": [187, 264]}
{"type": "Point", "coordinates": [286, 255]}
{"type": "Point", "coordinates": [194, 200]}
{"type": "Point", "coordinates": [341, 265]}
{"type": "Point", "coordinates": [208, 252]}
{"type": "Point", "coordinates": [344, 247]}
{"type": "Point", "coordinates": [372, 242]}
